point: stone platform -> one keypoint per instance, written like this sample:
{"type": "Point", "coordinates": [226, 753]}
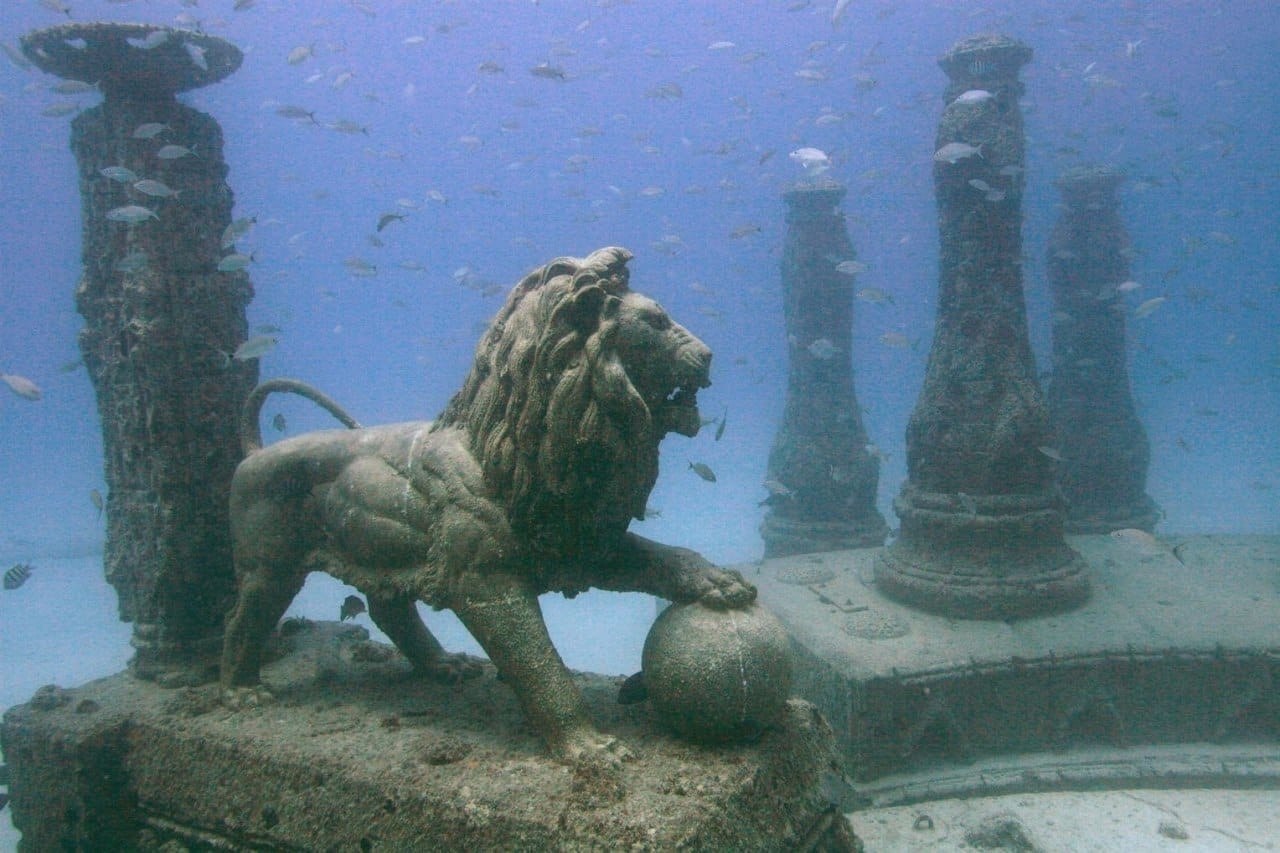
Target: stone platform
{"type": "Point", "coordinates": [354, 754]}
{"type": "Point", "coordinates": [1179, 644]}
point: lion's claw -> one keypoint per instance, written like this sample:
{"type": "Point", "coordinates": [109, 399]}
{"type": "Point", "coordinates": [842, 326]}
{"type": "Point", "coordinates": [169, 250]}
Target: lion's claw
{"type": "Point", "coordinates": [724, 589]}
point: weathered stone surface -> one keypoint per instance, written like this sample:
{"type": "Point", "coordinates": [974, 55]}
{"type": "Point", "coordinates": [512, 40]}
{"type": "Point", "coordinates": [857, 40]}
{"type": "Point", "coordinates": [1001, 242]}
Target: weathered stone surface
{"type": "Point", "coordinates": [820, 451]}
{"type": "Point", "coordinates": [356, 754]}
{"type": "Point", "coordinates": [982, 521]}
{"type": "Point", "coordinates": [717, 675]}
{"type": "Point", "coordinates": [1103, 447]}
{"type": "Point", "coordinates": [1183, 648]}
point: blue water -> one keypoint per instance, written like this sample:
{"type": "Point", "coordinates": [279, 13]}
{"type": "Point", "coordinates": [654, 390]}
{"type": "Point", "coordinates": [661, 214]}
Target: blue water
{"type": "Point", "coordinates": [1182, 94]}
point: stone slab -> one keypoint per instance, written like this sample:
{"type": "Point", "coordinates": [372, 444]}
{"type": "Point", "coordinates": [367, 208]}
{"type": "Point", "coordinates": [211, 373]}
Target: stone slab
{"type": "Point", "coordinates": [1179, 643]}
{"type": "Point", "coordinates": [354, 754]}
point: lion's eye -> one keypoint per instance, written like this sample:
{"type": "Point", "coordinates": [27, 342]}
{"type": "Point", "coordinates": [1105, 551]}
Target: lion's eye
{"type": "Point", "coordinates": [658, 320]}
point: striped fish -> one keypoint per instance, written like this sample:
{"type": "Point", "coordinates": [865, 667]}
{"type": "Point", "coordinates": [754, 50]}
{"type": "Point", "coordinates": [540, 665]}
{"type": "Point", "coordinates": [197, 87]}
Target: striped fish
{"type": "Point", "coordinates": [17, 576]}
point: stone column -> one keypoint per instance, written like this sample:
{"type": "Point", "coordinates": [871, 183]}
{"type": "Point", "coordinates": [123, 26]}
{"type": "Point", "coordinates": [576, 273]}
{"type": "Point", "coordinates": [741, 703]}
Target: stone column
{"type": "Point", "coordinates": [1104, 449]}
{"type": "Point", "coordinates": [982, 519]}
{"type": "Point", "coordinates": [160, 322]}
{"type": "Point", "coordinates": [822, 480]}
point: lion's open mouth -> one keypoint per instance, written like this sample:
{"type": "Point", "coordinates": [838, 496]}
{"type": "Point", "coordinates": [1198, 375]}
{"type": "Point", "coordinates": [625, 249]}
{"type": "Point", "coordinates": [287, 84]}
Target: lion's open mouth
{"type": "Point", "coordinates": [680, 410]}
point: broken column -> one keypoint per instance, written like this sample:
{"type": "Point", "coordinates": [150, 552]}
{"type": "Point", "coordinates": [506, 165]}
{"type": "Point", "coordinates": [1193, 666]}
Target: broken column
{"type": "Point", "coordinates": [821, 478]}
{"type": "Point", "coordinates": [982, 519]}
{"type": "Point", "coordinates": [1104, 449]}
{"type": "Point", "coordinates": [160, 321]}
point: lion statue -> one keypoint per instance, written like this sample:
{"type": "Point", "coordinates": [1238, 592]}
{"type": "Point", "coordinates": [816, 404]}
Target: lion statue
{"type": "Point", "coordinates": [525, 484]}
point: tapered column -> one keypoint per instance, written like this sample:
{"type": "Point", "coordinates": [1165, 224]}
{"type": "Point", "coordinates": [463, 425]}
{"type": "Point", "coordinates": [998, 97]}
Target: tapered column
{"type": "Point", "coordinates": [821, 479]}
{"type": "Point", "coordinates": [160, 322]}
{"type": "Point", "coordinates": [1104, 449]}
{"type": "Point", "coordinates": [982, 520]}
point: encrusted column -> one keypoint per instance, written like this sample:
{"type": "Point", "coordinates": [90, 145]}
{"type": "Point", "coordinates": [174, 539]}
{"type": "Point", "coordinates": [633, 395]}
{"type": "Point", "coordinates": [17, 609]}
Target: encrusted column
{"type": "Point", "coordinates": [160, 322]}
{"type": "Point", "coordinates": [1104, 449]}
{"type": "Point", "coordinates": [982, 519]}
{"type": "Point", "coordinates": [821, 478]}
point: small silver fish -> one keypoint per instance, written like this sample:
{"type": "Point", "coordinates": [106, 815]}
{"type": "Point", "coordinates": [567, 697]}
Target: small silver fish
{"type": "Point", "coordinates": [150, 130]}
{"type": "Point", "coordinates": [95, 498]}
{"type": "Point", "coordinates": [175, 152]}
{"type": "Point", "coordinates": [387, 218]}
{"type": "Point", "coordinates": [973, 96]}
{"type": "Point", "coordinates": [72, 87]}
{"type": "Point", "coordinates": [1051, 452]}
{"type": "Point", "coordinates": [822, 349]}
{"type": "Point", "coordinates": [255, 347]}
{"type": "Point", "coordinates": [150, 41]}
{"type": "Point", "coordinates": [119, 174]}
{"type": "Point", "coordinates": [279, 423]}
{"type": "Point", "coordinates": [58, 110]}
{"type": "Point", "coordinates": [235, 262]}
{"type": "Point", "coordinates": [296, 113]}
{"type": "Point", "coordinates": [236, 230]}
{"type": "Point", "coordinates": [131, 214]}
{"type": "Point", "coordinates": [875, 296]}
{"type": "Point", "coordinates": [703, 471]}
{"type": "Point", "coordinates": [851, 267]}
{"type": "Point", "coordinates": [1148, 307]}
{"type": "Point", "coordinates": [21, 385]}
{"type": "Point", "coordinates": [300, 54]}
{"type": "Point", "coordinates": [135, 261]}
{"type": "Point", "coordinates": [17, 575]}
{"type": "Point", "coordinates": [158, 189]}
{"type": "Point", "coordinates": [196, 53]}
{"type": "Point", "coordinates": [954, 152]}
{"type": "Point", "coordinates": [360, 268]}
{"type": "Point", "coordinates": [548, 71]}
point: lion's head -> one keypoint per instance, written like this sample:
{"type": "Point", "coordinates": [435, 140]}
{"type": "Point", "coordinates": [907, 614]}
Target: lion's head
{"type": "Point", "coordinates": [574, 384]}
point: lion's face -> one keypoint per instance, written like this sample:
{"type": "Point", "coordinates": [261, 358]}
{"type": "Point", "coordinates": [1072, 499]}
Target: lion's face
{"type": "Point", "coordinates": [665, 362]}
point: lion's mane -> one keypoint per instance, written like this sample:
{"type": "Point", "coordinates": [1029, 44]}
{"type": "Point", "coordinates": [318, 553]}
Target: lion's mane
{"type": "Point", "coordinates": [566, 442]}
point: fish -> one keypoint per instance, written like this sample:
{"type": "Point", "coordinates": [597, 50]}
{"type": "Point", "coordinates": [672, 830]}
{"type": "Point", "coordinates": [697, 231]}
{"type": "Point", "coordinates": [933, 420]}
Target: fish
{"type": "Point", "coordinates": [897, 340]}
{"type": "Point", "coordinates": [131, 214]}
{"type": "Point", "coordinates": [71, 366]}
{"type": "Point", "coordinates": [721, 45]}
{"type": "Point", "coordinates": [345, 126]}
{"type": "Point", "coordinates": [17, 575]}
{"type": "Point", "coordinates": [1127, 287]}
{"type": "Point", "coordinates": [136, 261]}
{"type": "Point", "coordinates": [1052, 452]}
{"type": "Point", "coordinates": [778, 493]}
{"type": "Point", "coordinates": [387, 218]}
{"type": "Point", "coordinates": [300, 54]}
{"type": "Point", "coordinates": [298, 113]}
{"type": "Point", "coordinates": [1148, 307]}
{"type": "Point", "coordinates": [744, 231]}
{"type": "Point", "coordinates": [851, 267]}
{"type": "Point", "coordinates": [352, 606]}
{"type": "Point", "coordinates": [723, 421]}
{"type": "Point", "coordinates": [360, 268]}
{"type": "Point", "coordinates": [175, 152]}
{"type": "Point", "coordinates": [814, 161]}
{"type": "Point", "coordinates": [547, 71]}
{"type": "Point", "coordinates": [64, 108]}
{"type": "Point", "coordinates": [875, 296]}
{"type": "Point", "coordinates": [1134, 537]}
{"type": "Point", "coordinates": [196, 54]}
{"type": "Point", "coordinates": [158, 189]}
{"type": "Point", "coordinates": [95, 498]}
{"type": "Point", "coordinates": [255, 347]}
{"type": "Point", "coordinates": [150, 41]}
{"type": "Point", "coordinates": [236, 230]}
{"type": "Point", "coordinates": [235, 262]}
{"type": "Point", "coordinates": [837, 13]}
{"type": "Point", "coordinates": [954, 152]}
{"type": "Point", "coordinates": [149, 130]}
{"type": "Point", "coordinates": [822, 348]}
{"type": "Point", "coordinates": [973, 96]}
{"type": "Point", "coordinates": [279, 423]}
{"type": "Point", "coordinates": [119, 174]}
{"type": "Point", "coordinates": [21, 385]}
{"type": "Point", "coordinates": [703, 471]}
{"type": "Point", "coordinates": [73, 87]}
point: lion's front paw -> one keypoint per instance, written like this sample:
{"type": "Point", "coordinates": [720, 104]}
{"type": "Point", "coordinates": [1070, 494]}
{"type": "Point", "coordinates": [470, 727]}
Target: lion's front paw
{"type": "Point", "coordinates": [723, 589]}
{"type": "Point", "coordinates": [239, 698]}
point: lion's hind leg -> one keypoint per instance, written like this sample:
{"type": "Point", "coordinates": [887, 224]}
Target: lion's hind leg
{"type": "Point", "coordinates": [263, 599]}
{"type": "Point", "coordinates": [398, 618]}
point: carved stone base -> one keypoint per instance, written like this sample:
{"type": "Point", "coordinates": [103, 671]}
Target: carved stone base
{"type": "Point", "coordinates": [355, 754]}
{"type": "Point", "coordinates": [786, 536]}
{"type": "Point", "coordinates": [1178, 645]}
{"type": "Point", "coordinates": [982, 556]}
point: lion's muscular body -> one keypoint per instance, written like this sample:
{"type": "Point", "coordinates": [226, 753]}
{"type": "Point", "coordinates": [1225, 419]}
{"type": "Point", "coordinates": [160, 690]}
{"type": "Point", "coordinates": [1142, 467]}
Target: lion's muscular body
{"type": "Point", "coordinates": [525, 485]}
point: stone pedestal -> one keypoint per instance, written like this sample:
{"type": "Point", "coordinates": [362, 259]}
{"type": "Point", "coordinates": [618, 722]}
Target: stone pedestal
{"type": "Point", "coordinates": [161, 321]}
{"type": "Point", "coordinates": [982, 521]}
{"type": "Point", "coordinates": [1104, 449]}
{"type": "Point", "coordinates": [354, 754]}
{"type": "Point", "coordinates": [822, 478]}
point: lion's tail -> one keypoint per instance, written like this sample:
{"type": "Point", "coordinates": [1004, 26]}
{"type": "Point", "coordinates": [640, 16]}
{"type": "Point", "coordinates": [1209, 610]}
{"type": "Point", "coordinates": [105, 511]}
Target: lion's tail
{"type": "Point", "coordinates": [251, 433]}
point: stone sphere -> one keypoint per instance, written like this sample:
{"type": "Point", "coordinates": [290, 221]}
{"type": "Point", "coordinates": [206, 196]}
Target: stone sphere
{"type": "Point", "coordinates": [717, 676]}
